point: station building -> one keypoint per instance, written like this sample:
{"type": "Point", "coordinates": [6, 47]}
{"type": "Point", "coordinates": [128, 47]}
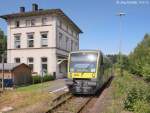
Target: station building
{"type": "Point", "coordinates": [41, 38]}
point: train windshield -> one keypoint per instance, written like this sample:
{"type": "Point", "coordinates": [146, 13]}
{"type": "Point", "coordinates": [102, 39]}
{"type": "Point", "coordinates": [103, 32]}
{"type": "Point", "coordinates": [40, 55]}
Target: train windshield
{"type": "Point", "coordinates": [83, 62]}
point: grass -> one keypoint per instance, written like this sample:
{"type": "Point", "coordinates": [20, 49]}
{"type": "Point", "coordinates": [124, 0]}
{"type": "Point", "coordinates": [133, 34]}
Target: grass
{"type": "Point", "coordinates": [27, 97]}
{"type": "Point", "coordinates": [34, 87]}
{"type": "Point", "coordinates": [121, 86]}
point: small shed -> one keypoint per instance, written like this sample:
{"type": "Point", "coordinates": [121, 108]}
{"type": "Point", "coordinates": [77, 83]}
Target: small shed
{"type": "Point", "coordinates": [16, 74]}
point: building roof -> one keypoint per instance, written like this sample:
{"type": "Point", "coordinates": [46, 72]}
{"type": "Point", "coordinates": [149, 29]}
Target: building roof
{"type": "Point", "coordinates": [57, 12]}
{"type": "Point", "coordinates": [10, 66]}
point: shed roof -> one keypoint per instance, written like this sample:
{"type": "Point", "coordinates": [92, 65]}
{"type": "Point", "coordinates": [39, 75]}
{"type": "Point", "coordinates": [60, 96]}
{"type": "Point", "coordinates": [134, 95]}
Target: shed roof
{"type": "Point", "coordinates": [10, 66]}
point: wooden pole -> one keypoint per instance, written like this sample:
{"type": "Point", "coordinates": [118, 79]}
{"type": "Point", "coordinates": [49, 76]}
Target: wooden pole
{"type": "Point", "coordinates": [3, 72]}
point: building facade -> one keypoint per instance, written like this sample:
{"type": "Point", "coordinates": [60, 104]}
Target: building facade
{"type": "Point", "coordinates": [41, 38]}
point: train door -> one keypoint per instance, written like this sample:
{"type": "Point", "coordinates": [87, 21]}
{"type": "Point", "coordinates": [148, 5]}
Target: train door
{"type": "Point", "coordinates": [101, 70]}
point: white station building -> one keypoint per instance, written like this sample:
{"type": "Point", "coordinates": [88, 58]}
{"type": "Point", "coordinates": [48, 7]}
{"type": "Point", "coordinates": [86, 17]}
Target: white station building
{"type": "Point", "coordinates": [42, 39]}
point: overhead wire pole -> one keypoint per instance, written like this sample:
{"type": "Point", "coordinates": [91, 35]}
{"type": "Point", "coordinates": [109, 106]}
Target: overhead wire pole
{"type": "Point", "coordinates": [120, 14]}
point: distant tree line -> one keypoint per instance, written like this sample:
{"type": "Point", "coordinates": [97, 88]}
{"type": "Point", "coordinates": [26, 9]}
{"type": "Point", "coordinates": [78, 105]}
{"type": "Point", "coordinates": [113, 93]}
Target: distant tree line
{"type": "Point", "coordinates": [115, 60]}
{"type": "Point", "coordinates": [3, 44]}
{"type": "Point", "coordinates": [138, 61]}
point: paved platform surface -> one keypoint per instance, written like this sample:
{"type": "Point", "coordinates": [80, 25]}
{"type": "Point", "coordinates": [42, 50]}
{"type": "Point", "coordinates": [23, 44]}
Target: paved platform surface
{"type": "Point", "coordinates": [57, 85]}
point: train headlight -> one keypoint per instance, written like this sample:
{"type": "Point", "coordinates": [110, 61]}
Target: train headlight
{"type": "Point", "coordinates": [93, 75]}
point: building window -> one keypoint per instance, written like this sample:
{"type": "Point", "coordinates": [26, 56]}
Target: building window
{"type": "Point", "coordinates": [77, 35]}
{"type": "Point", "coordinates": [72, 32]}
{"type": "Point", "coordinates": [30, 62]}
{"type": "Point", "coordinates": [17, 41]}
{"type": "Point", "coordinates": [44, 64]}
{"type": "Point", "coordinates": [44, 39]}
{"type": "Point", "coordinates": [33, 22]}
{"type": "Point", "coordinates": [17, 23]}
{"type": "Point", "coordinates": [30, 22]}
{"type": "Point", "coordinates": [76, 44]}
{"type": "Point", "coordinates": [67, 43]}
{"type": "Point", "coordinates": [60, 24]}
{"type": "Point", "coordinates": [30, 40]}
{"type": "Point", "coordinates": [44, 21]}
{"type": "Point", "coordinates": [17, 60]}
{"type": "Point", "coordinates": [71, 45]}
{"type": "Point", "coordinates": [60, 68]}
{"type": "Point", "coordinates": [27, 23]}
{"type": "Point", "coordinates": [67, 28]}
{"type": "Point", "coordinates": [60, 40]}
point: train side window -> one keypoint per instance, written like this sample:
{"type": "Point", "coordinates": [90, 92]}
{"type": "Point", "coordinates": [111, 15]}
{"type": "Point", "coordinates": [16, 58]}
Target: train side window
{"type": "Point", "coordinates": [102, 62]}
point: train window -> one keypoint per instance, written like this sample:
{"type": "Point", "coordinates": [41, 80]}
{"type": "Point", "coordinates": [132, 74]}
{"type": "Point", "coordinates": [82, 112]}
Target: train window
{"type": "Point", "coordinates": [83, 62]}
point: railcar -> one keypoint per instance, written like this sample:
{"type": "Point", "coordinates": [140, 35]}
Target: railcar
{"type": "Point", "coordinates": [88, 70]}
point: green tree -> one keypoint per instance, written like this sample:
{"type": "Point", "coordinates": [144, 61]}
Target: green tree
{"type": "Point", "coordinates": [3, 44]}
{"type": "Point", "coordinates": [140, 58]}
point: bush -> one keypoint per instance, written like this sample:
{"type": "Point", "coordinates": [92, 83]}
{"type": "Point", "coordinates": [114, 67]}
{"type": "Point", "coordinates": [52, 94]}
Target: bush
{"type": "Point", "coordinates": [141, 107]}
{"type": "Point", "coordinates": [132, 97]}
{"type": "Point", "coordinates": [135, 98]}
{"type": "Point", "coordinates": [38, 78]}
{"type": "Point", "coordinates": [48, 78]}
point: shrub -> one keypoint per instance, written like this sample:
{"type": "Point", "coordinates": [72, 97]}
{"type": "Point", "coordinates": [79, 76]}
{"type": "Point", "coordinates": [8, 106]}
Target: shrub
{"type": "Point", "coordinates": [136, 97]}
{"type": "Point", "coordinates": [141, 107]}
{"type": "Point", "coordinates": [36, 79]}
{"type": "Point", "coordinates": [146, 72]}
{"type": "Point", "coordinates": [148, 95]}
{"type": "Point", "coordinates": [131, 99]}
{"type": "Point", "coordinates": [47, 78]}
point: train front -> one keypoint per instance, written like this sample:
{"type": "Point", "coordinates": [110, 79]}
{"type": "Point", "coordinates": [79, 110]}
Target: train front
{"type": "Point", "coordinates": [82, 72]}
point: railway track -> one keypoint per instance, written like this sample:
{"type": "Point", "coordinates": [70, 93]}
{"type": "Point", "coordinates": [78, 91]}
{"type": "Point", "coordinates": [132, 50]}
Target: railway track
{"type": "Point", "coordinates": [68, 103]}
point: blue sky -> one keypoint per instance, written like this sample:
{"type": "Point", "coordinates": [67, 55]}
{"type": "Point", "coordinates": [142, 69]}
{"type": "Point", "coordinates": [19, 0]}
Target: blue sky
{"type": "Point", "coordinates": [97, 19]}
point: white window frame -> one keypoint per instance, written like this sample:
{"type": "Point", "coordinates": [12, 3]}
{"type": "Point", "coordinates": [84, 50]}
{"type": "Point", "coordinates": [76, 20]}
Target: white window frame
{"type": "Point", "coordinates": [72, 32]}
{"type": "Point", "coordinates": [60, 24]}
{"type": "Point", "coordinates": [44, 21]}
{"type": "Point", "coordinates": [30, 62]}
{"type": "Point", "coordinates": [43, 40]}
{"type": "Point", "coordinates": [15, 60]}
{"type": "Point", "coordinates": [72, 45]}
{"type": "Point", "coordinates": [60, 39]}
{"type": "Point", "coordinates": [33, 22]}
{"type": "Point", "coordinates": [17, 40]}
{"type": "Point", "coordinates": [76, 45]}
{"type": "Point", "coordinates": [30, 39]}
{"type": "Point", "coordinates": [28, 23]}
{"type": "Point", "coordinates": [67, 43]}
{"type": "Point", "coordinates": [17, 23]}
{"type": "Point", "coordinates": [44, 63]}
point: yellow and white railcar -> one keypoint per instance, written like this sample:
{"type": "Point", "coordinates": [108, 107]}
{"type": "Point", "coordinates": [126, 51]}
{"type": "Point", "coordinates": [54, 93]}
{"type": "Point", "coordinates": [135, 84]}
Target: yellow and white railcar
{"type": "Point", "coordinates": [88, 70]}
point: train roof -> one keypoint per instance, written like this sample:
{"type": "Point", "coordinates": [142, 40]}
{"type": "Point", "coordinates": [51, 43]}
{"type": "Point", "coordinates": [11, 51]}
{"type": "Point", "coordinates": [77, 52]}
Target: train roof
{"type": "Point", "coordinates": [86, 50]}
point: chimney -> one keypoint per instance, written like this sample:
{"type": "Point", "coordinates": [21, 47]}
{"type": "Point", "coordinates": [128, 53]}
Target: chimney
{"type": "Point", "coordinates": [22, 9]}
{"type": "Point", "coordinates": [34, 7]}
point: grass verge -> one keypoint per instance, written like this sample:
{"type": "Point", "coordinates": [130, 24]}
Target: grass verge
{"type": "Point", "coordinates": [32, 98]}
{"type": "Point", "coordinates": [129, 95]}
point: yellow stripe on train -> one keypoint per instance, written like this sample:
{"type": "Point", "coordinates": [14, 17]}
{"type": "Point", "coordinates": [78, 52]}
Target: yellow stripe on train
{"type": "Point", "coordinates": [82, 75]}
